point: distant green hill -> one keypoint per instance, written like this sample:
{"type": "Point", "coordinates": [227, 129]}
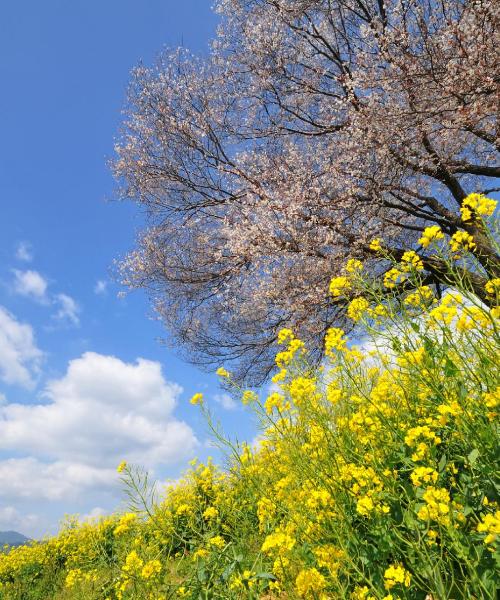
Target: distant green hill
{"type": "Point", "coordinates": [12, 538]}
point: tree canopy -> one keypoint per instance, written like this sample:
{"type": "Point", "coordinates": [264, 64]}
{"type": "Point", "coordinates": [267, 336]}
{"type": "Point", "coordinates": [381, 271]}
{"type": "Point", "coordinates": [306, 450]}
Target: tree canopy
{"type": "Point", "coordinates": [313, 127]}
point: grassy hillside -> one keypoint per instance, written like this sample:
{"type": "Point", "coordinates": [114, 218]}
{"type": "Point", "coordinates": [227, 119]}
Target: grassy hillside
{"type": "Point", "coordinates": [12, 538]}
{"type": "Point", "coordinates": [376, 477]}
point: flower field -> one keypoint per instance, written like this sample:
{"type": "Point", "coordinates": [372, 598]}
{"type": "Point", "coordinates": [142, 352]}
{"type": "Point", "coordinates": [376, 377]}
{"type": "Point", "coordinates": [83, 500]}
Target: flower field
{"type": "Point", "coordinates": [375, 477]}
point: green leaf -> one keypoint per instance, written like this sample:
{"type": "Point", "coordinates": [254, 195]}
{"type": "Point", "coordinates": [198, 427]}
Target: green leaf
{"type": "Point", "coordinates": [265, 576]}
{"type": "Point", "coordinates": [442, 463]}
{"type": "Point", "coordinates": [415, 326]}
{"type": "Point", "coordinates": [472, 457]}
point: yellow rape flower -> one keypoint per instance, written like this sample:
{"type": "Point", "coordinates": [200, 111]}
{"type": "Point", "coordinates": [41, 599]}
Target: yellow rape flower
{"type": "Point", "coordinates": [339, 285]}
{"type": "Point", "coordinates": [126, 521]}
{"type": "Point", "coordinates": [221, 372]}
{"type": "Point", "coordinates": [151, 569]}
{"type": "Point", "coordinates": [423, 475]}
{"type": "Point", "coordinates": [354, 265]}
{"type": "Point", "coordinates": [309, 583]}
{"type": "Point", "coordinates": [217, 542]}
{"type": "Point", "coordinates": [302, 389]}
{"type": "Point", "coordinates": [437, 506]}
{"type": "Point", "coordinates": [73, 577]}
{"type": "Point", "coordinates": [376, 245]}
{"type": "Point", "coordinates": [392, 277]}
{"type": "Point", "coordinates": [248, 397]}
{"type": "Point", "coordinates": [333, 393]}
{"type": "Point", "coordinates": [274, 400]}
{"type": "Point", "coordinates": [492, 287]}
{"type": "Point", "coordinates": [211, 513]}
{"type": "Point", "coordinates": [243, 581]}
{"type": "Point", "coordinates": [278, 540]}
{"type": "Point", "coordinates": [419, 437]}
{"type": "Point", "coordinates": [133, 563]}
{"type": "Point", "coordinates": [357, 308]}
{"type": "Point", "coordinates": [200, 554]}
{"type": "Point", "coordinates": [420, 298]}
{"type": "Point", "coordinates": [334, 340]}
{"type": "Point", "coordinates": [285, 335]}
{"type": "Point", "coordinates": [461, 240]}
{"type": "Point", "coordinates": [447, 310]}
{"type": "Point", "coordinates": [477, 204]}
{"type": "Point", "coordinates": [411, 260]}
{"type": "Point", "coordinates": [121, 467]}
{"type": "Point", "coordinates": [329, 556]}
{"type": "Point", "coordinates": [365, 506]}
{"type": "Point", "coordinates": [490, 524]}
{"type": "Point", "coordinates": [362, 593]}
{"type": "Point", "coordinates": [430, 235]}
{"type": "Point", "coordinates": [197, 399]}
{"type": "Point", "coordinates": [396, 574]}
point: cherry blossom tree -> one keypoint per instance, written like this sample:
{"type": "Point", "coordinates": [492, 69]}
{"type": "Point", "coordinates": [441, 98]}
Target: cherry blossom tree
{"type": "Point", "coordinates": [312, 127]}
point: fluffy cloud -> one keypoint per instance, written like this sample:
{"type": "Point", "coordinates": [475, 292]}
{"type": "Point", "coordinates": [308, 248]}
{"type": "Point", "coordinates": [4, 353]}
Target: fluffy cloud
{"type": "Point", "coordinates": [225, 401]}
{"type": "Point", "coordinates": [11, 518]}
{"type": "Point", "coordinates": [32, 479]}
{"type": "Point", "coordinates": [24, 252]}
{"type": "Point", "coordinates": [100, 287]}
{"type": "Point", "coordinates": [102, 411]}
{"type": "Point", "coordinates": [19, 355]}
{"type": "Point", "coordinates": [31, 284]}
{"type": "Point", "coordinates": [68, 310]}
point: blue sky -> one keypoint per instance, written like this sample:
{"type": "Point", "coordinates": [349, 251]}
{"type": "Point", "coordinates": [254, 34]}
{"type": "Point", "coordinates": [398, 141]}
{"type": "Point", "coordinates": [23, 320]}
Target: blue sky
{"type": "Point", "coordinates": [83, 379]}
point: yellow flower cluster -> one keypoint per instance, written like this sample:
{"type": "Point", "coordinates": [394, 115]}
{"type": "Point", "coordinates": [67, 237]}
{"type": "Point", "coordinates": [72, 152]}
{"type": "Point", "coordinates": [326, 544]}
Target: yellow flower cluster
{"type": "Point", "coordinates": [339, 285]}
{"type": "Point", "coordinates": [411, 261]}
{"type": "Point", "coordinates": [492, 287]}
{"type": "Point", "coordinates": [422, 475]}
{"type": "Point", "coordinates": [357, 308]}
{"type": "Point", "coordinates": [462, 241]}
{"type": "Point", "coordinates": [447, 310]}
{"type": "Point", "coordinates": [354, 265]}
{"type": "Point", "coordinates": [151, 569]}
{"type": "Point", "coordinates": [490, 525]}
{"type": "Point", "coordinates": [376, 245]}
{"type": "Point", "coordinates": [421, 297]}
{"type": "Point", "coordinates": [420, 437]}
{"type": "Point", "coordinates": [477, 205]}
{"type": "Point", "coordinates": [196, 398]}
{"type": "Point", "coordinates": [125, 523]}
{"type": "Point", "coordinates": [302, 389]}
{"type": "Point", "coordinates": [334, 340]}
{"type": "Point", "coordinates": [437, 506]}
{"type": "Point", "coordinates": [430, 235]}
{"type": "Point", "coordinates": [309, 583]}
{"type": "Point", "coordinates": [396, 575]}
{"type": "Point", "coordinates": [221, 372]}
{"type": "Point", "coordinates": [393, 277]}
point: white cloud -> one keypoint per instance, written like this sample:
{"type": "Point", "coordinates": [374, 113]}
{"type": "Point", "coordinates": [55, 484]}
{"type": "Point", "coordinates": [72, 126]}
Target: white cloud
{"type": "Point", "coordinates": [19, 355]}
{"type": "Point", "coordinates": [95, 513]}
{"type": "Point", "coordinates": [12, 519]}
{"type": "Point", "coordinates": [68, 310]}
{"type": "Point", "coordinates": [30, 478]}
{"type": "Point", "coordinates": [24, 252]}
{"type": "Point", "coordinates": [31, 284]}
{"type": "Point", "coordinates": [100, 287]}
{"type": "Point", "coordinates": [225, 401]}
{"type": "Point", "coordinates": [100, 412]}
